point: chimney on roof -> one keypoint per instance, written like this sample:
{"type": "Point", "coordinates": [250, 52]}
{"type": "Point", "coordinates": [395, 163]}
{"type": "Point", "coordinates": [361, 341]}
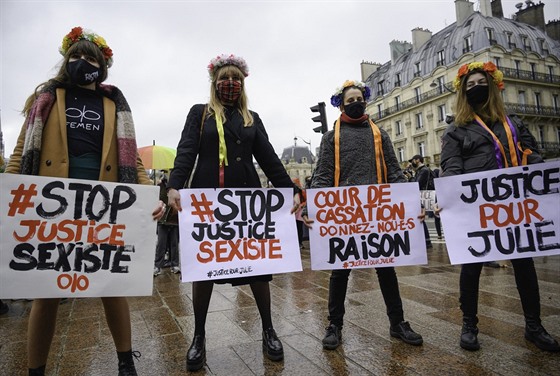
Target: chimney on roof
{"type": "Point", "coordinates": [368, 68]}
{"type": "Point", "coordinates": [398, 49]}
{"type": "Point", "coordinates": [485, 8]}
{"type": "Point", "coordinates": [532, 14]}
{"type": "Point", "coordinates": [497, 10]}
{"type": "Point", "coordinates": [463, 9]}
{"type": "Point", "coordinates": [419, 37]}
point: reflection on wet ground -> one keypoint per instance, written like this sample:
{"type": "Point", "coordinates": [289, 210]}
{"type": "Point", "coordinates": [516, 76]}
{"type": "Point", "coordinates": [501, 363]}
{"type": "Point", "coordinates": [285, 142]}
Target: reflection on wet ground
{"type": "Point", "coordinates": [163, 326]}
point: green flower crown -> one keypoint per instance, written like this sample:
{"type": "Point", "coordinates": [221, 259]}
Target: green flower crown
{"type": "Point", "coordinates": [77, 34]}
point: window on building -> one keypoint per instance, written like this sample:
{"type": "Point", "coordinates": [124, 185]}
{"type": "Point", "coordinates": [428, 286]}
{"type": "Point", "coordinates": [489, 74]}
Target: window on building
{"type": "Point", "coordinates": [421, 148]}
{"type": "Point", "coordinates": [440, 58]}
{"type": "Point", "coordinates": [521, 100]}
{"type": "Point", "coordinates": [467, 44]}
{"type": "Point", "coordinates": [538, 102]}
{"type": "Point", "coordinates": [419, 121]}
{"type": "Point", "coordinates": [380, 110]}
{"type": "Point", "coordinates": [555, 102]}
{"type": "Point", "coordinates": [541, 133]}
{"type": "Point", "coordinates": [380, 85]}
{"type": "Point", "coordinates": [397, 102]}
{"type": "Point", "coordinates": [417, 71]}
{"type": "Point", "coordinates": [398, 127]}
{"type": "Point", "coordinates": [517, 67]}
{"type": "Point", "coordinates": [497, 62]}
{"type": "Point", "coordinates": [490, 35]}
{"type": "Point", "coordinates": [550, 73]}
{"type": "Point", "coordinates": [441, 113]}
{"type": "Point", "coordinates": [511, 42]}
{"type": "Point", "coordinates": [398, 80]}
{"type": "Point", "coordinates": [441, 84]}
{"type": "Point", "coordinates": [525, 42]}
{"type": "Point", "coordinates": [418, 93]}
{"type": "Point", "coordinates": [400, 152]}
{"type": "Point", "coordinates": [533, 70]}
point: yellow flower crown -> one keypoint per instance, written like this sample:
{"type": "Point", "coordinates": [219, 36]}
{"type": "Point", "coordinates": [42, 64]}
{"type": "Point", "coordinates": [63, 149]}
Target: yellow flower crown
{"type": "Point", "coordinates": [77, 34]}
{"type": "Point", "coordinates": [490, 67]}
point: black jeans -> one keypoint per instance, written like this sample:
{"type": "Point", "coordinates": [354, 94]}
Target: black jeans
{"type": "Point", "coordinates": [389, 289]}
{"type": "Point", "coordinates": [525, 279]}
{"type": "Point", "coordinates": [168, 236]}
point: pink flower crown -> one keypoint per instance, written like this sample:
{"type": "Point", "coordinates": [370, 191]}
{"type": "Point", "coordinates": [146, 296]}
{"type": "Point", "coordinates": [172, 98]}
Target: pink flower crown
{"type": "Point", "coordinates": [77, 34]}
{"type": "Point", "coordinates": [222, 60]}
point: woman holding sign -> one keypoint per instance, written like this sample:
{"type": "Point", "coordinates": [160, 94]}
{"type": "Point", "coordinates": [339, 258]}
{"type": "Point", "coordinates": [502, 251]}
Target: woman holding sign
{"type": "Point", "coordinates": [225, 136]}
{"type": "Point", "coordinates": [357, 152]}
{"type": "Point", "coordinates": [56, 141]}
{"type": "Point", "coordinates": [483, 138]}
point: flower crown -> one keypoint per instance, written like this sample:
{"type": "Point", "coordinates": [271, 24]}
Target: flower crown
{"type": "Point", "coordinates": [489, 67]}
{"type": "Point", "coordinates": [221, 60]}
{"type": "Point", "coordinates": [336, 99]}
{"type": "Point", "coordinates": [77, 34]}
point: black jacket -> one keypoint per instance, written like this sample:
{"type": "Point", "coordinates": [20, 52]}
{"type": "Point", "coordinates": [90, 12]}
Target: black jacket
{"type": "Point", "coordinates": [242, 144]}
{"type": "Point", "coordinates": [470, 148]}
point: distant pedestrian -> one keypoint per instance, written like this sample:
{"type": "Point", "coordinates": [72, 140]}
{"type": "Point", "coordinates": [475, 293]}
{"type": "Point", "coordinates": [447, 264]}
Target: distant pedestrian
{"type": "Point", "coordinates": [357, 152]}
{"type": "Point", "coordinates": [423, 175]}
{"type": "Point", "coordinates": [168, 235]}
{"type": "Point", "coordinates": [483, 138]}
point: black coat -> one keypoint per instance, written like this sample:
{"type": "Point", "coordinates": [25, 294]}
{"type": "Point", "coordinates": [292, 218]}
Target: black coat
{"type": "Point", "coordinates": [243, 143]}
{"type": "Point", "coordinates": [470, 148]}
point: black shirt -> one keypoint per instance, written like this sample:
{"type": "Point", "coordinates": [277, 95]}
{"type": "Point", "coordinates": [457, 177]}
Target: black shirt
{"type": "Point", "coordinates": [84, 121]}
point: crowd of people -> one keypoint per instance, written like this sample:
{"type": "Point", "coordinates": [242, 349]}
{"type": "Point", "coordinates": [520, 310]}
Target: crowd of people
{"type": "Point", "coordinates": [216, 150]}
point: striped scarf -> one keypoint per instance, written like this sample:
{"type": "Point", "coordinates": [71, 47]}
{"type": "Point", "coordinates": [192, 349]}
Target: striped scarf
{"type": "Point", "coordinates": [126, 138]}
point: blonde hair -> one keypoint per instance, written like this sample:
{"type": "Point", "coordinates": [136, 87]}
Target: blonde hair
{"type": "Point", "coordinates": [492, 110]}
{"type": "Point", "coordinates": [215, 105]}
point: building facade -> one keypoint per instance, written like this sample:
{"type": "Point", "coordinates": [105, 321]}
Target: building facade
{"type": "Point", "coordinates": [299, 162]}
{"type": "Point", "coordinates": [412, 95]}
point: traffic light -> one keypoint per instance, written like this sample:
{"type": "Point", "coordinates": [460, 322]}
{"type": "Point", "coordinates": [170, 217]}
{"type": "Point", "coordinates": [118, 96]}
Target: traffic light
{"type": "Point", "coordinates": [321, 118]}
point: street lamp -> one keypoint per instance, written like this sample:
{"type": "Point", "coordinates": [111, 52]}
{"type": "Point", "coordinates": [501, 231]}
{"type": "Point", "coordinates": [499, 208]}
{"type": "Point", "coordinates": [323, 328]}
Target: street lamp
{"type": "Point", "coordinates": [440, 85]}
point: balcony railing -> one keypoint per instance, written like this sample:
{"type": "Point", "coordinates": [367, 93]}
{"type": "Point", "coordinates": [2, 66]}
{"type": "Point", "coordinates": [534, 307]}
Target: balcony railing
{"type": "Point", "coordinates": [530, 76]}
{"type": "Point", "coordinates": [413, 101]}
{"type": "Point", "coordinates": [529, 109]}
{"type": "Point", "coordinates": [549, 147]}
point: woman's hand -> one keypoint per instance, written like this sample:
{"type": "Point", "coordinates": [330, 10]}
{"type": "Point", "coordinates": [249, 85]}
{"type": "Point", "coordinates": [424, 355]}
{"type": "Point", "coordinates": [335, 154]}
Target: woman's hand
{"type": "Point", "coordinates": [159, 211]}
{"type": "Point", "coordinates": [174, 199]}
{"type": "Point", "coordinates": [437, 210]}
{"type": "Point", "coordinates": [297, 204]}
{"type": "Point", "coordinates": [307, 221]}
{"type": "Point", "coordinates": [422, 215]}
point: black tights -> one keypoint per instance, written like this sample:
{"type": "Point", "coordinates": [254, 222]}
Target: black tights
{"type": "Point", "coordinates": [202, 292]}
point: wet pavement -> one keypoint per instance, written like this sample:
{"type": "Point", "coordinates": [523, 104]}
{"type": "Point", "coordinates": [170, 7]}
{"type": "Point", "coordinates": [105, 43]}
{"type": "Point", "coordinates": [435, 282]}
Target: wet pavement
{"type": "Point", "coordinates": [163, 324]}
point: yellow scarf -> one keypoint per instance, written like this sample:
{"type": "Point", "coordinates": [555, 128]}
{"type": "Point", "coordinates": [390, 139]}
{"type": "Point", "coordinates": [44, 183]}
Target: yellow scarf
{"type": "Point", "coordinates": [222, 148]}
{"type": "Point", "coordinates": [379, 157]}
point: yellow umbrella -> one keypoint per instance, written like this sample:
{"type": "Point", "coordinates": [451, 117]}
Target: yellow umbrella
{"type": "Point", "coordinates": [156, 157]}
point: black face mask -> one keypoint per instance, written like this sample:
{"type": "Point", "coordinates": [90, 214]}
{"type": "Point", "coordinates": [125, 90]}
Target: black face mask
{"type": "Point", "coordinates": [477, 95]}
{"type": "Point", "coordinates": [355, 110]}
{"type": "Point", "coordinates": [82, 73]}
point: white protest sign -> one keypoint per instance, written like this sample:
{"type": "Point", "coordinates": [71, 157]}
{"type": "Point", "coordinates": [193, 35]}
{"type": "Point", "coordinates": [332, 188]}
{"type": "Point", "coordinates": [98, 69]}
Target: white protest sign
{"type": "Point", "coordinates": [366, 226]}
{"type": "Point", "coordinates": [428, 199]}
{"type": "Point", "coordinates": [231, 233]}
{"type": "Point", "coordinates": [501, 214]}
{"type": "Point", "coordinates": [75, 238]}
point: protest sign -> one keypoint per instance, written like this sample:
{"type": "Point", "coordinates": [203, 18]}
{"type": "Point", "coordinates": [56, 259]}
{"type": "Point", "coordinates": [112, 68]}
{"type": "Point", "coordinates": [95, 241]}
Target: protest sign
{"type": "Point", "coordinates": [501, 214]}
{"type": "Point", "coordinates": [428, 199]}
{"type": "Point", "coordinates": [366, 226]}
{"type": "Point", "coordinates": [231, 233]}
{"type": "Point", "coordinates": [75, 238]}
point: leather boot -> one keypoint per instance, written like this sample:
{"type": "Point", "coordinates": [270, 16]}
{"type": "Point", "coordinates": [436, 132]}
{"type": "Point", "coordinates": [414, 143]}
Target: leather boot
{"type": "Point", "coordinates": [196, 356]}
{"type": "Point", "coordinates": [469, 333]}
{"type": "Point", "coordinates": [534, 332]}
{"type": "Point", "coordinates": [272, 346]}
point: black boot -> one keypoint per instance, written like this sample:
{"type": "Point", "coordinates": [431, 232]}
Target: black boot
{"type": "Point", "coordinates": [272, 346]}
{"type": "Point", "coordinates": [535, 333]}
{"type": "Point", "coordinates": [39, 371]}
{"type": "Point", "coordinates": [126, 362]}
{"type": "Point", "coordinates": [469, 333]}
{"type": "Point", "coordinates": [196, 356]}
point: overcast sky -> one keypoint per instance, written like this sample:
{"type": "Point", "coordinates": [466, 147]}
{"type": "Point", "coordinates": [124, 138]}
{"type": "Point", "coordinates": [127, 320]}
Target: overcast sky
{"type": "Point", "coordinates": [298, 52]}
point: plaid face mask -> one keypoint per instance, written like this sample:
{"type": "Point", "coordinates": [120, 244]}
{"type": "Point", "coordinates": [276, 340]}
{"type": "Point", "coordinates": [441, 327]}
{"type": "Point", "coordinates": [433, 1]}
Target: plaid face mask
{"type": "Point", "coordinates": [229, 90]}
